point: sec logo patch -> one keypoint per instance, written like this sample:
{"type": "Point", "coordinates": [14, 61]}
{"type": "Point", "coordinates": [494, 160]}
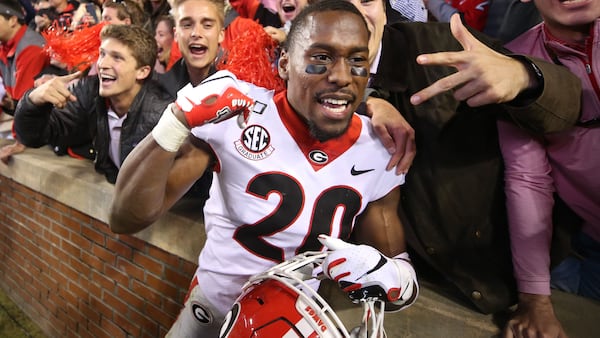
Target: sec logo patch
{"type": "Point", "coordinates": [254, 143]}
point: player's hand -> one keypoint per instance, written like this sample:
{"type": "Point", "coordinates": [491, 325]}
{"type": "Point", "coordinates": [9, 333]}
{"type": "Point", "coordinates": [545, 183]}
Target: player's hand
{"type": "Point", "coordinates": [54, 91]}
{"type": "Point", "coordinates": [483, 76]}
{"type": "Point", "coordinates": [534, 317]}
{"type": "Point", "coordinates": [397, 136]}
{"type": "Point", "coordinates": [216, 99]}
{"type": "Point", "coordinates": [365, 273]}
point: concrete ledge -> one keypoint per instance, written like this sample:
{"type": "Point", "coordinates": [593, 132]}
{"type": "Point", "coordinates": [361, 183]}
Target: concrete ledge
{"type": "Point", "coordinates": [76, 184]}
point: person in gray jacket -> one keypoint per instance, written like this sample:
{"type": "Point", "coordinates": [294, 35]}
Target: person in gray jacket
{"type": "Point", "coordinates": [112, 110]}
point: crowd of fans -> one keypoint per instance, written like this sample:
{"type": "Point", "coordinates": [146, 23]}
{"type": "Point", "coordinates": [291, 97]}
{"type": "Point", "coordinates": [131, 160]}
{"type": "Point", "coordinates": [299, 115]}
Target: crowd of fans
{"type": "Point", "coordinates": [101, 109]}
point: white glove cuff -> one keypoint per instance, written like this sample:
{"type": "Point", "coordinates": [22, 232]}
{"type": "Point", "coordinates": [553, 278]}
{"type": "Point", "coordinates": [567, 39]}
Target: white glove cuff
{"type": "Point", "coordinates": [169, 132]}
{"type": "Point", "coordinates": [409, 284]}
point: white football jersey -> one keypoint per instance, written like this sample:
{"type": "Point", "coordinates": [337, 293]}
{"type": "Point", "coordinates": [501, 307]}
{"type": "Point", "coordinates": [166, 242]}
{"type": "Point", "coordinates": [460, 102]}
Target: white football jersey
{"type": "Point", "coordinates": [276, 188]}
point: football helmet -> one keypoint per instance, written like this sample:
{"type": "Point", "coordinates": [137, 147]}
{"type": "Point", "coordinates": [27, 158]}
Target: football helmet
{"type": "Point", "coordinates": [280, 302]}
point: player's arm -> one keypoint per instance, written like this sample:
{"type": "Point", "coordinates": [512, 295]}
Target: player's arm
{"type": "Point", "coordinates": [379, 267]}
{"type": "Point", "coordinates": [151, 180]}
{"type": "Point", "coordinates": [380, 227]}
{"type": "Point", "coordinates": [169, 160]}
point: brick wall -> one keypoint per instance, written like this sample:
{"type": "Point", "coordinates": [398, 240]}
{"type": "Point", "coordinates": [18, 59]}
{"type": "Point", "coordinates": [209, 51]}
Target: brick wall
{"type": "Point", "coordinates": [75, 278]}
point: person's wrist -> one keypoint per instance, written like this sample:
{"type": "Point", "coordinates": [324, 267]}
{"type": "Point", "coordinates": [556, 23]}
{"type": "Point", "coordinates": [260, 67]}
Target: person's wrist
{"type": "Point", "coordinates": [531, 299]}
{"type": "Point", "coordinates": [535, 81]}
{"type": "Point", "coordinates": [170, 133]}
{"type": "Point", "coordinates": [34, 99]}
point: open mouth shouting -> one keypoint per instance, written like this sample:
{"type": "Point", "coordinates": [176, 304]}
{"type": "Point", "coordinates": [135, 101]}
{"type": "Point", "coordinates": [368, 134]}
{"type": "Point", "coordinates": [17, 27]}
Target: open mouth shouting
{"type": "Point", "coordinates": [106, 79]}
{"type": "Point", "coordinates": [289, 10]}
{"type": "Point", "coordinates": [288, 7]}
{"type": "Point", "coordinates": [197, 49]}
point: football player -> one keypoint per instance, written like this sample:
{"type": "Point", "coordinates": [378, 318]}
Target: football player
{"type": "Point", "coordinates": [290, 167]}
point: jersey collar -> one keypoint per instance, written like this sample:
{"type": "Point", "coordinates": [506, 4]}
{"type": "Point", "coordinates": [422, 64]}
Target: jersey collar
{"type": "Point", "coordinates": [300, 133]}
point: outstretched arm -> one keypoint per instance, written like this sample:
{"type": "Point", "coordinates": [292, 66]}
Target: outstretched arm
{"type": "Point", "coordinates": [528, 88]}
{"type": "Point", "coordinates": [483, 75]}
{"type": "Point", "coordinates": [55, 112]}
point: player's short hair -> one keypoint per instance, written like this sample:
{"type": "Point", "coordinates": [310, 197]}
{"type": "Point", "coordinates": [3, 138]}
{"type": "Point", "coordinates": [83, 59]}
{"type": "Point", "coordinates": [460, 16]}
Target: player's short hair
{"type": "Point", "coordinates": [300, 21]}
{"type": "Point", "coordinates": [141, 43]}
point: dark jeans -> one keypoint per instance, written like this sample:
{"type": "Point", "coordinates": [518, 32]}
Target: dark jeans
{"type": "Point", "coordinates": [579, 273]}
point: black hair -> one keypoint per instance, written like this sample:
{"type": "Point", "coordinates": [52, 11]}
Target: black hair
{"type": "Point", "coordinates": [11, 8]}
{"type": "Point", "coordinates": [317, 7]}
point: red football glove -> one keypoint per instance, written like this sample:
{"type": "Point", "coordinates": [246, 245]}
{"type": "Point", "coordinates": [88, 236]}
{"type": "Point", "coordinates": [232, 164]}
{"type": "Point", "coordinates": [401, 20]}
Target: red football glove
{"type": "Point", "coordinates": [216, 99]}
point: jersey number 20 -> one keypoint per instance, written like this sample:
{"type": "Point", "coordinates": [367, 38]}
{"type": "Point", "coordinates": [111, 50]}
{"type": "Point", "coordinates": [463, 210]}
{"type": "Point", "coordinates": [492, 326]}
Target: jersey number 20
{"type": "Point", "coordinates": [251, 236]}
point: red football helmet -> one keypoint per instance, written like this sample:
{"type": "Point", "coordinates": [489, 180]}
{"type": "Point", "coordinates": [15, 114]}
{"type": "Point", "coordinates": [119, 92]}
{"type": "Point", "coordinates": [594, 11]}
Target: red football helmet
{"type": "Point", "coordinates": [279, 303]}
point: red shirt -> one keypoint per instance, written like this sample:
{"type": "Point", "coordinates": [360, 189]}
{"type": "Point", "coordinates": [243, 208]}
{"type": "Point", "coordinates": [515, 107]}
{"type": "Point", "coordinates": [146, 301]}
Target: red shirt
{"type": "Point", "coordinates": [23, 63]}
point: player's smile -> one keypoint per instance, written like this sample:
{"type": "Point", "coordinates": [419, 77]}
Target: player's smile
{"type": "Point", "coordinates": [336, 107]}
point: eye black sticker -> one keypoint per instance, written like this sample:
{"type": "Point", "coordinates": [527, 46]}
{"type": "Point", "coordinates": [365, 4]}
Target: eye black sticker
{"type": "Point", "coordinates": [316, 69]}
{"type": "Point", "coordinates": [359, 71]}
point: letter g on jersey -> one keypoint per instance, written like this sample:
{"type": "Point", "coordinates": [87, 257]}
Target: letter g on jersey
{"type": "Point", "coordinates": [318, 156]}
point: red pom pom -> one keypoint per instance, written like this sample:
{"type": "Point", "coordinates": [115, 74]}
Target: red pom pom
{"type": "Point", "coordinates": [250, 54]}
{"type": "Point", "coordinates": [77, 49]}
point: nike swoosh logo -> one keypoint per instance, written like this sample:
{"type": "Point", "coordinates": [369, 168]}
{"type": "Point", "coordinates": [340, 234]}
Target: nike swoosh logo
{"type": "Point", "coordinates": [355, 172]}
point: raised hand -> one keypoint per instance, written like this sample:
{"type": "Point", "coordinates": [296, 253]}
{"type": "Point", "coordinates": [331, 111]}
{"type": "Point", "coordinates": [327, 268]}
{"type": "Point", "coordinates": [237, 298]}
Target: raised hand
{"type": "Point", "coordinates": [214, 100]}
{"type": "Point", "coordinates": [483, 75]}
{"type": "Point", "coordinates": [54, 91]}
{"type": "Point", "coordinates": [365, 273]}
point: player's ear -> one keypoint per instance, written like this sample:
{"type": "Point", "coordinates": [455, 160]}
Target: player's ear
{"type": "Point", "coordinates": [283, 64]}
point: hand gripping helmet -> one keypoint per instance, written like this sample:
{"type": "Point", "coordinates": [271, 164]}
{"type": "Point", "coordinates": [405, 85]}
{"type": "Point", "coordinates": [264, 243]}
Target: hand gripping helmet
{"type": "Point", "coordinates": [279, 303]}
